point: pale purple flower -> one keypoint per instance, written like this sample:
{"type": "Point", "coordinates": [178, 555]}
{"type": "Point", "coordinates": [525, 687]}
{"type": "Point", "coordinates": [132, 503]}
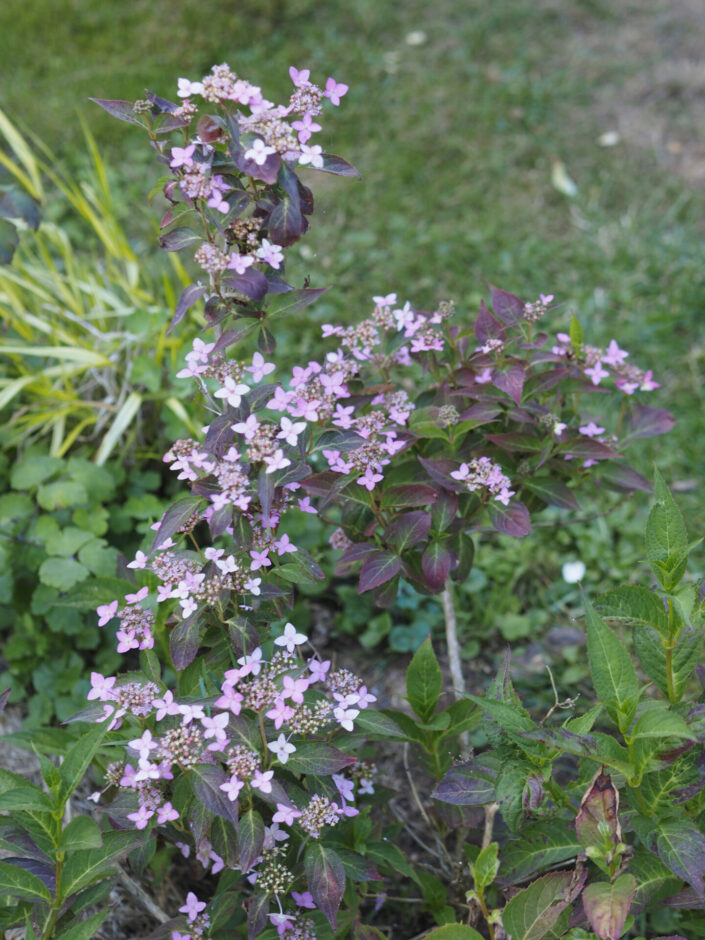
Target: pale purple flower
{"type": "Point", "coordinates": [280, 712]}
{"type": "Point", "coordinates": [253, 586]}
{"type": "Point", "coordinates": [215, 727]}
{"type": "Point", "coordinates": [262, 781]}
{"type": "Point", "coordinates": [187, 88]}
{"type": "Point", "coordinates": [281, 400]}
{"type": "Point", "coordinates": [251, 663]}
{"type": "Point", "coordinates": [335, 91]}
{"type": "Point", "coordinates": [388, 300]}
{"type": "Point", "coordinates": [318, 670]}
{"type": "Point", "coordinates": [290, 638]}
{"type": "Point", "coordinates": [342, 417]}
{"type": "Point", "coordinates": [305, 506]}
{"type": "Point", "coordinates": [299, 77]}
{"type": "Point", "coordinates": [259, 152]}
{"type": "Point", "coordinates": [247, 428]}
{"type": "Point", "coordinates": [232, 788]}
{"type": "Point", "coordinates": [596, 373]}
{"type": "Point", "coordinates": [259, 559]}
{"type": "Point", "coordinates": [591, 429]}
{"type": "Point", "coordinates": [305, 127]}
{"type": "Point", "coordinates": [230, 699]}
{"type": "Point", "coordinates": [294, 688]}
{"type": "Point", "coordinates": [334, 385]}
{"type": "Point", "coordinates": [282, 922]}
{"type": "Point", "coordinates": [284, 545]}
{"type": "Point", "coordinates": [272, 835]}
{"type": "Point", "coordinates": [281, 748]}
{"type": "Point", "coordinates": [240, 263]}
{"type": "Point", "coordinates": [345, 786]}
{"type": "Point", "coordinates": [290, 430]}
{"type": "Point", "coordinates": [285, 814]}
{"type": "Point", "coordinates": [181, 156]}
{"type": "Point", "coordinates": [271, 254]}
{"type": "Point", "coordinates": [141, 817]}
{"type": "Point", "coordinates": [165, 705]}
{"type": "Point", "coordinates": [364, 698]}
{"type": "Point", "coordinates": [166, 813]}
{"type": "Point", "coordinates": [483, 376]}
{"type": "Point", "coordinates": [106, 612]}
{"type": "Point", "coordinates": [370, 479]}
{"type": "Point", "coordinates": [345, 716]}
{"type": "Point", "coordinates": [190, 713]}
{"type": "Point", "coordinates": [101, 688]}
{"type": "Point", "coordinates": [145, 744]}
{"type": "Point", "coordinates": [277, 461]}
{"type": "Point", "coordinates": [259, 367]}
{"type": "Point", "coordinates": [193, 907]}
{"type": "Point", "coordinates": [138, 596]}
{"type": "Point", "coordinates": [614, 356]}
{"type": "Point", "coordinates": [303, 899]}
{"type": "Point", "coordinates": [139, 562]}
{"type": "Point", "coordinates": [647, 383]}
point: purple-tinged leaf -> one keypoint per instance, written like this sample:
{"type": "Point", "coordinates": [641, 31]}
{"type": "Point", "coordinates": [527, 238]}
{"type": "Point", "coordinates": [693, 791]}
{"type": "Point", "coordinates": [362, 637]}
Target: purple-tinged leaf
{"type": "Point", "coordinates": [377, 568]}
{"type": "Point", "coordinates": [175, 518]}
{"type": "Point", "coordinates": [277, 285]}
{"type": "Point", "coordinates": [184, 641]}
{"type": "Point", "coordinates": [321, 484]}
{"type": "Point", "coordinates": [189, 296]}
{"type": "Point", "coordinates": [122, 110]}
{"type": "Point", "coordinates": [469, 784]}
{"type": "Point", "coordinates": [487, 327]}
{"type": "Point", "coordinates": [257, 914]}
{"type": "Point", "coordinates": [511, 382]}
{"type": "Point", "coordinates": [386, 594]}
{"type": "Point", "coordinates": [220, 435]}
{"type": "Point", "coordinates": [179, 238]}
{"type": "Point", "coordinates": [230, 337]}
{"type": "Point", "coordinates": [206, 780]}
{"type": "Point", "coordinates": [161, 105]}
{"type": "Point", "coordinates": [250, 838]}
{"type": "Point", "coordinates": [252, 283]}
{"type": "Point", "coordinates": [508, 307]}
{"type": "Point", "coordinates": [4, 696]}
{"type": "Point", "coordinates": [335, 164]}
{"type": "Point", "coordinates": [294, 301]}
{"type": "Point", "coordinates": [325, 875]}
{"type": "Point", "coordinates": [552, 492]}
{"type": "Point", "coordinates": [435, 565]}
{"type": "Point", "coordinates": [513, 519]}
{"type": "Point", "coordinates": [305, 198]}
{"type": "Point", "coordinates": [514, 441]}
{"type": "Point", "coordinates": [285, 223]}
{"type": "Point", "coordinates": [353, 556]}
{"type": "Point", "coordinates": [220, 520]}
{"type": "Point", "coordinates": [539, 342]}
{"type": "Point", "coordinates": [619, 476]}
{"type": "Point", "coordinates": [481, 411]}
{"type": "Point", "coordinates": [686, 900]}
{"type": "Point", "coordinates": [542, 382]}
{"type": "Point", "coordinates": [681, 848]}
{"type": "Point", "coordinates": [646, 421]}
{"type": "Point", "coordinates": [532, 795]}
{"type": "Point", "coordinates": [314, 757]}
{"type": "Point", "coordinates": [408, 529]}
{"type": "Point", "coordinates": [409, 494]}
{"type": "Point", "coordinates": [444, 511]}
{"type": "Point", "coordinates": [532, 912]}
{"type": "Point", "coordinates": [607, 905]}
{"type": "Point", "coordinates": [267, 171]}
{"type": "Point", "coordinates": [585, 447]}
{"type": "Point", "coordinates": [599, 813]}
{"type": "Point", "coordinates": [440, 471]}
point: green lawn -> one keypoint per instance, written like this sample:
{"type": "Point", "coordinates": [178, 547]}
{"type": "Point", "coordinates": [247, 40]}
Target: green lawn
{"type": "Point", "coordinates": [457, 115]}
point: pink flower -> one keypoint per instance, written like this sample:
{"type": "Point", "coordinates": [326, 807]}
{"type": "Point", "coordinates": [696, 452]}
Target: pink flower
{"type": "Point", "coordinates": [294, 689]}
{"type": "Point", "coordinates": [271, 254]}
{"type": "Point", "coordinates": [285, 814]}
{"type": "Point", "coordinates": [229, 699]}
{"type": "Point", "coordinates": [259, 559]}
{"type": "Point", "coordinates": [139, 562]}
{"type": "Point", "coordinates": [165, 706]}
{"type": "Point", "coordinates": [334, 385]}
{"type": "Point", "coordinates": [141, 817]}
{"type": "Point", "coordinates": [101, 687]}
{"type": "Point", "coordinates": [596, 373]}
{"type": "Point", "coordinates": [166, 813]}
{"type": "Point", "coordinates": [259, 367]}
{"type": "Point", "coordinates": [591, 429]}
{"type": "Point", "coordinates": [280, 712]}
{"type": "Point", "coordinates": [145, 744]}
{"type": "Point", "coordinates": [215, 727]}
{"type": "Point", "coordinates": [299, 77]}
{"type": "Point", "coordinates": [240, 263]}
{"type": "Point", "coordinates": [318, 669]}
{"type": "Point", "coordinates": [370, 479]}
{"type": "Point", "coordinates": [614, 356]}
{"type": "Point", "coordinates": [283, 545]}
{"type": "Point", "coordinates": [345, 716]}
{"type": "Point", "coordinates": [312, 155]}
{"type": "Point", "coordinates": [193, 907]}
{"type": "Point", "coordinates": [139, 596]}
{"type": "Point", "coordinates": [303, 899]}
{"type": "Point", "coordinates": [290, 430]}
{"type": "Point", "coordinates": [251, 663]}
{"type": "Point", "coordinates": [106, 612]}
{"type": "Point", "coordinates": [335, 91]}
{"type": "Point", "coordinates": [262, 780]}
{"type": "Point", "coordinates": [388, 300]}
{"type": "Point", "coordinates": [647, 383]}
{"type": "Point", "coordinates": [232, 788]}
{"type": "Point", "coordinates": [277, 461]}
{"type": "Point", "coordinates": [305, 506]}
{"type": "Point", "coordinates": [247, 428]}
{"type": "Point", "coordinates": [305, 127]}
{"type": "Point", "coordinates": [181, 156]}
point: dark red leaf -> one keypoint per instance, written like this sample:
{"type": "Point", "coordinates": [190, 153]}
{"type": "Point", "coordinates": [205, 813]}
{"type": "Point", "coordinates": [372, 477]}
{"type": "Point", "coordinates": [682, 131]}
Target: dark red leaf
{"type": "Point", "coordinates": [267, 172]}
{"type": "Point", "coordinates": [440, 470]}
{"type": "Point", "coordinates": [468, 784]}
{"type": "Point", "coordinates": [295, 300]}
{"type": "Point", "coordinates": [513, 519]}
{"type": "Point", "coordinates": [335, 164]}
{"type": "Point", "coordinates": [353, 556]}
{"type": "Point", "coordinates": [175, 517]}
{"type": "Point", "coordinates": [511, 382]}
{"type": "Point", "coordinates": [408, 529]}
{"type": "Point", "coordinates": [552, 492]}
{"type": "Point", "coordinates": [480, 411]}
{"type": "Point", "coordinates": [585, 447]}
{"type": "Point", "coordinates": [179, 238]}
{"type": "Point", "coordinates": [206, 780]}
{"type": "Point", "coordinates": [189, 296]}
{"type": "Point", "coordinates": [184, 641]}
{"type": "Point", "coordinates": [486, 326]}
{"type": "Point", "coordinates": [646, 421]}
{"type": "Point", "coordinates": [252, 283]}
{"type": "Point", "coordinates": [257, 915]}
{"type": "Point", "coordinates": [122, 110]}
{"type": "Point", "coordinates": [326, 879]}
{"type": "Point", "coordinates": [435, 564]}
{"type": "Point", "coordinates": [285, 223]}
{"type": "Point", "coordinates": [379, 567]}
{"type": "Point", "coordinates": [544, 381]}
{"type": "Point", "coordinates": [230, 337]}
{"type": "Point", "coordinates": [386, 594]}
{"type": "Point", "coordinates": [508, 307]}
{"type": "Point", "coordinates": [444, 511]}
{"type": "Point", "coordinates": [619, 476]}
{"type": "Point", "coordinates": [409, 494]}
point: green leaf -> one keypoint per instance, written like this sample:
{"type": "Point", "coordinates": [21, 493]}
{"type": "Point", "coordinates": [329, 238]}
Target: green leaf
{"type": "Point", "coordinates": [85, 866]}
{"type": "Point", "coordinates": [64, 494]}
{"type": "Point", "coordinates": [78, 758]}
{"type": "Point", "coordinates": [607, 905]}
{"type": "Point", "coordinates": [316, 757]}
{"type": "Point", "coordinates": [20, 883]}
{"type": "Point", "coordinates": [539, 846]}
{"type": "Point", "coordinates": [666, 536]}
{"type": "Point", "coordinates": [575, 332]}
{"type": "Point", "coordinates": [652, 657]}
{"type": "Point", "coordinates": [613, 674]}
{"type": "Point", "coordinates": [531, 913]}
{"type": "Point", "coordinates": [636, 604]}
{"type": "Point", "coordinates": [423, 681]}
{"type": "Point", "coordinates": [507, 717]}
{"type": "Point", "coordinates": [486, 866]}
{"type": "Point", "coordinates": [654, 880]}
{"type": "Point", "coordinates": [250, 838]}
{"type": "Point", "coordinates": [87, 929]}
{"type": "Point", "coordinates": [31, 471]}
{"type": "Point", "coordinates": [9, 240]}
{"type": "Point", "coordinates": [62, 573]}
{"type": "Point", "coordinates": [660, 723]}
{"type": "Point", "coordinates": [26, 798]}
{"type": "Point", "coordinates": [81, 833]}
{"type": "Point", "coordinates": [453, 932]}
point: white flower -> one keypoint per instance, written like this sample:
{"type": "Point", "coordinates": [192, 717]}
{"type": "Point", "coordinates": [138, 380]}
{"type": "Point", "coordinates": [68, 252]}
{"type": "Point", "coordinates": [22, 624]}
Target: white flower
{"type": "Point", "coordinates": [573, 571]}
{"type": "Point", "coordinates": [290, 638]}
{"type": "Point", "coordinates": [281, 748]}
{"type": "Point", "coordinates": [259, 152]}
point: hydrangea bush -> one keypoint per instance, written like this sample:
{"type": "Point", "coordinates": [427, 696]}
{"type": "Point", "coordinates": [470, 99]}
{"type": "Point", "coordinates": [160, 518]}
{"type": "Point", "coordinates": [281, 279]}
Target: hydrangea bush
{"type": "Point", "coordinates": [231, 735]}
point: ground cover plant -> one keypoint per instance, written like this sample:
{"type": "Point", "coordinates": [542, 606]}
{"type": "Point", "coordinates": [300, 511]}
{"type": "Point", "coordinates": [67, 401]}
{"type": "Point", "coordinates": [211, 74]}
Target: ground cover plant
{"type": "Point", "coordinates": [412, 435]}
